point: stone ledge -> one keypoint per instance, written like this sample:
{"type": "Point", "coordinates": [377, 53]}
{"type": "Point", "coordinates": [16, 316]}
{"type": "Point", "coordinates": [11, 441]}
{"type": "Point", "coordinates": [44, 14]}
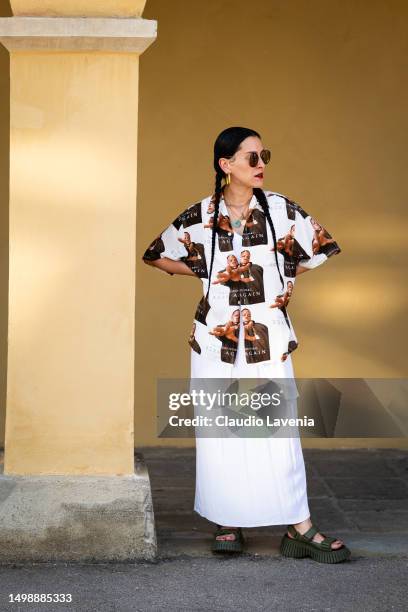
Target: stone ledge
{"type": "Point", "coordinates": [77, 34]}
{"type": "Point", "coordinates": [77, 518]}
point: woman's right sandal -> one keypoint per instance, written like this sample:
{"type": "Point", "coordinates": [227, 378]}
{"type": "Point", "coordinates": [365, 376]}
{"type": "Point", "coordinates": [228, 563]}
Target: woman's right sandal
{"type": "Point", "coordinates": [301, 545]}
{"type": "Point", "coordinates": [235, 545]}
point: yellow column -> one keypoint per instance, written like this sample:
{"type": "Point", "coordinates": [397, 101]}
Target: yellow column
{"type": "Point", "coordinates": [73, 161]}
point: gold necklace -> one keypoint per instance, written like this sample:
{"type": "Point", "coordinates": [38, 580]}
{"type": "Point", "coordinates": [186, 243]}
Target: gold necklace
{"type": "Point", "coordinates": [242, 218]}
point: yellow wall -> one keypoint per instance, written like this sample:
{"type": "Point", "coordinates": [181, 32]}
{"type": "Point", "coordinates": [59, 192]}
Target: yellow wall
{"type": "Point", "coordinates": [324, 84]}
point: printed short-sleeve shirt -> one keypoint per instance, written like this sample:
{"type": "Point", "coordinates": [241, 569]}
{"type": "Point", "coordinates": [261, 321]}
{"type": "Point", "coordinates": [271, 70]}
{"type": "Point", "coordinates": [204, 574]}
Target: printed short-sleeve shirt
{"type": "Point", "coordinates": [249, 287]}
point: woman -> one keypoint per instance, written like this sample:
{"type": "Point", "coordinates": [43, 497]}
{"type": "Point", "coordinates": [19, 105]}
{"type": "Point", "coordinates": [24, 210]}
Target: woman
{"type": "Point", "coordinates": [252, 243]}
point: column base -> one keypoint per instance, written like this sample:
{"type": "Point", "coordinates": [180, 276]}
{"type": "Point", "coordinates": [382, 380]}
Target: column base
{"type": "Point", "coordinates": [77, 518]}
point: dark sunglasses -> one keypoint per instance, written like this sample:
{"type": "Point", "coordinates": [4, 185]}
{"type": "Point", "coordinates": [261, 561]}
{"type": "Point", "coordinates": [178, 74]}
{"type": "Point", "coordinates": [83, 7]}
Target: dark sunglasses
{"type": "Point", "coordinates": [253, 158]}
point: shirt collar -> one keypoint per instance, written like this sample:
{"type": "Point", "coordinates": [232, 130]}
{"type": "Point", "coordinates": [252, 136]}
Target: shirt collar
{"type": "Point", "coordinates": [224, 210]}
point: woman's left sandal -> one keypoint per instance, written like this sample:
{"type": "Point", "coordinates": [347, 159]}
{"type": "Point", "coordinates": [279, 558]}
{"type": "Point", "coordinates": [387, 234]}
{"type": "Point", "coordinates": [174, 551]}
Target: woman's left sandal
{"type": "Point", "coordinates": [236, 545]}
{"type": "Point", "coordinates": [301, 545]}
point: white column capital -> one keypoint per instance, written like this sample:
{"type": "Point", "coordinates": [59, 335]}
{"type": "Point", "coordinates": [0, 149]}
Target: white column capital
{"type": "Point", "coordinates": [77, 34]}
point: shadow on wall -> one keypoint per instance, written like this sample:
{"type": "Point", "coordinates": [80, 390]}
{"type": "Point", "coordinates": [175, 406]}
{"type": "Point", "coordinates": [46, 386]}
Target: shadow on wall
{"type": "Point", "coordinates": [5, 11]}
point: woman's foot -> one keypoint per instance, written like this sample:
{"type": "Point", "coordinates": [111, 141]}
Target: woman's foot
{"type": "Point", "coordinates": [230, 537]}
{"type": "Point", "coordinates": [305, 525]}
{"type": "Point", "coordinates": [228, 540]}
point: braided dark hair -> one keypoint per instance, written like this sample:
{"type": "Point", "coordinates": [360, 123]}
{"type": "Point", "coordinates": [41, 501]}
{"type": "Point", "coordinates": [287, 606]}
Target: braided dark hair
{"type": "Point", "coordinates": [226, 145]}
{"type": "Point", "coordinates": [261, 197]}
{"type": "Point", "coordinates": [216, 200]}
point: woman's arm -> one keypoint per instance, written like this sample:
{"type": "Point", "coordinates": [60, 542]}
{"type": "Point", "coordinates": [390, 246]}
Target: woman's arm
{"type": "Point", "coordinates": [171, 266]}
{"type": "Point", "coordinates": [301, 269]}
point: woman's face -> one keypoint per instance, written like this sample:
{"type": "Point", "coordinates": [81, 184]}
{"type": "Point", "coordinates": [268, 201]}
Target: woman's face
{"type": "Point", "coordinates": [241, 173]}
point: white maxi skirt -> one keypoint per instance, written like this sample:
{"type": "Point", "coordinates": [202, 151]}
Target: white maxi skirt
{"type": "Point", "coordinates": [249, 482]}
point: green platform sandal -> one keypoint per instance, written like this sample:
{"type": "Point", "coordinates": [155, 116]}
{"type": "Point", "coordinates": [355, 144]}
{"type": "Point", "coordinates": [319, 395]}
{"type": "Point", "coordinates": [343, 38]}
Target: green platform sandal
{"type": "Point", "coordinates": [302, 546]}
{"type": "Point", "coordinates": [236, 545]}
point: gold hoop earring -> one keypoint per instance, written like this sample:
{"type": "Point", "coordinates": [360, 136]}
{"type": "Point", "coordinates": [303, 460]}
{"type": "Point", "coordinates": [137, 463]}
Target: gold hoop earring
{"type": "Point", "coordinates": [228, 179]}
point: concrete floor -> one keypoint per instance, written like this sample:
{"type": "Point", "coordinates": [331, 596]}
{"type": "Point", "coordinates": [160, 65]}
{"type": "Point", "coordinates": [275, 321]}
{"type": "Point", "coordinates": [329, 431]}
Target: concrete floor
{"type": "Point", "coordinates": [360, 495]}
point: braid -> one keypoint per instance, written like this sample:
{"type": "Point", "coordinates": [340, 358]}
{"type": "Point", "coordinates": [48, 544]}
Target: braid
{"type": "Point", "coordinates": [216, 200]}
{"type": "Point", "coordinates": [261, 197]}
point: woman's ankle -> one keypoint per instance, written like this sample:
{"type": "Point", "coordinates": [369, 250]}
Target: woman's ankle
{"type": "Point", "coordinates": [303, 526]}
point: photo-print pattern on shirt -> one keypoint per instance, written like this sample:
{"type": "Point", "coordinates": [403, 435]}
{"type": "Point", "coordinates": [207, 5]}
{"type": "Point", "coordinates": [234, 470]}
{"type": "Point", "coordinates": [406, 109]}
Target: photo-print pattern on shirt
{"type": "Point", "coordinates": [196, 256]}
{"type": "Point", "coordinates": [190, 251]}
{"type": "Point", "coordinates": [292, 345]}
{"type": "Point", "coordinates": [251, 279]}
{"type": "Point", "coordinates": [154, 249]}
{"type": "Point", "coordinates": [224, 231]}
{"type": "Point", "coordinates": [256, 338]}
{"type": "Point", "coordinates": [202, 310]}
{"type": "Point", "coordinates": [192, 340]}
{"type": "Point", "coordinates": [322, 241]}
{"type": "Point", "coordinates": [255, 229]}
{"type": "Point", "coordinates": [282, 299]}
{"type": "Point", "coordinates": [291, 208]}
{"type": "Point", "coordinates": [228, 334]}
{"type": "Point", "coordinates": [192, 215]}
{"type": "Point", "coordinates": [243, 278]}
{"type": "Point", "coordinates": [290, 250]}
